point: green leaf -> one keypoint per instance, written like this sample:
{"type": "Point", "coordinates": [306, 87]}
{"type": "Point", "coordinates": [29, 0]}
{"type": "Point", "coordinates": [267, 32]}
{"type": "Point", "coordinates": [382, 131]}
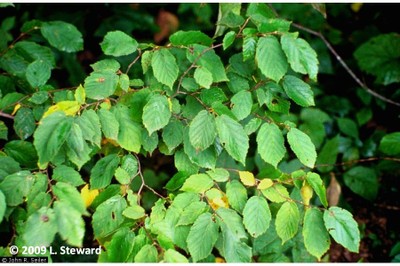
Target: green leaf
{"type": "Point", "coordinates": [203, 77]}
{"type": "Point", "coordinates": [70, 195]}
{"type": "Point", "coordinates": [287, 221]}
{"type": "Point", "coordinates": [328, 155]}
{"type": "Point", "coordinates": [123, 82]}
{"type": "Point", "coordinates": [271, 144]}
{"type": "Point", "coordinates": [108, 216]}
{"type": "Point", "coordinates": [164, 66]}
{"type": "Point", "coordinates": [173, 256]}
{"type": "Point", "coordinates": [202, 130]}
{"type": "Point", "coordinates": [147, 253]}
{"type": "Point", "coordinates": [259, 12]}
{"type": "Point", "coordinates": [106, 64]}
{"type": "Point", "coordinates": [89, 123]}
{"type": "Point", "coordinates": [62, 35]}
{"type": "Point", "coordinates": [233, 236]}
{"type": "Point", "coordinates": [40, 228]}
{"type": "Point", "coordinates": [242, 103]}
{"type": "Point", "coordinates": [68, 175]}
{"type": "Point", "coordinates": [109, 124]}
{"type": "Point", "coordinates": [3, 130]}
{"type": "Point", "coordinates": [302, 146]}
{"type": "Point", "coordinates": [134, 212]}
{"type": "Point", "coordinates": [190, 37]}
{"type": "Point", "coordinates": [192, 212]}
{"type": "Point", "coordinates": [316, 237]}
{"type": "Point", "coordinates": [207, 58]}
{"type": "Point", "coordinates": [302, 58]}
{"type": "Point", "coordinates": [173, 134]}
{"type": "Point", "coordinates": [130, 132]}
{"type": "Point", "coordinates": [156, 113]}
{"type": "Point", "coordinates": [299, 91]}
{"type": "Point", "coordinates": [70, 224]}
{"type": "Point", "coordinates": [219, 174]}
{"type": "Point", "coordinates": [379, 56]}
{"type": "Point", "coordinates": [202, 237]}
{"type": "Point", "coordinates": [3, 206]}
{"type": "Point", "coordinates": [390, 144]}
{"type": "Point", "coordinates": [213, 95]}
{"type": "Point", "coordinates": [197, 183]}
{"type": "Point", "coordinates": [362, 181]}
{"type": "Point", "coordinates": [103, 171]}
{"type": "Point", "coordinates": [348, 127]}
{"type": "Point", "coordinates": [16, 187]}
{"type": "Point", "coordinates": [229, 38]}
{"type": "Point", "coordinates": [101, 84]}
{"type": "Point", "coordinates": [249, 43]}
{"type": "Point", "coordinates": [256, 216]}
{"type": "Point", "coordinates": [233, 136]}
{"type": "Point", "coordinates": [8, 166]}
{"type": "Point", "coordinates": [343, 228]}
{"type": "Point", "coordinates": [277, 193]}
{"type": "Point", "coordinates": [224, 11]}
{"type": "Point", "coordinates": [38, 73]}
{"type": "Point", "coordinates": [121, 246]}
{"type": "Point", "coordinates": [78, 151]}
{"type": "Point", "coordinates": [274, 25]}
{"type": "Point", "coordinates": [237, 195]}
{"type": "Point", "coordinates": [270, 58]}
{"type": "Point", "coordinates": [24, 123]}
{"type": "Point", "coordinates": [315, 181]}
{"type": "Point", "coordinates": [79, 95]}
{"type": "Point", "coordinates": [23, 152]}
{"type": "Point", "coordinates": [118, 43]}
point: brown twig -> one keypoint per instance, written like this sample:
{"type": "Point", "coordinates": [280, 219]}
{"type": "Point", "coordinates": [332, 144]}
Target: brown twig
{"type": "Point", "coordinates": [344, 65]}
{"type": "Point", "coordinates": [6, 115]}
{"type": "Point", "coordinates": [194, 65]}
{"type": "Point", "coordinates": [360, 161]}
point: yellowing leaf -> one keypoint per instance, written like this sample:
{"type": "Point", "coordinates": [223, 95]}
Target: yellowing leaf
{"type": "Point", "coordinates": [68, 107]}
{"type": "Point", "coordinates": [80, 95]}
{"type": "Point", "coordinates": [356, 7]}
{"type": "Point", "coordinates": [247, 178]}
{"type": "Point", "coordinates": [169, 104]}
{"type": "Point", "coordinates": [265, 183]}
{"type": "Point", "coordinates": [16, 108]}
{"type": "Point", "coordinates": [219, 260]}
{"type": "Point", "coordinates": [88, 195]}
{"type": "Point", "coordinates": [306, 193]}
{"type": "Point", "coordinates": [217, 199]}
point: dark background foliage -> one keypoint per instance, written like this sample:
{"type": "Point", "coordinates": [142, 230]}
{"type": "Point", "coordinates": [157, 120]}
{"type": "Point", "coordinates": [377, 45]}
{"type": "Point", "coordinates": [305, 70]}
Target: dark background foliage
{"type": "Point", "coordinates": [346, 27]}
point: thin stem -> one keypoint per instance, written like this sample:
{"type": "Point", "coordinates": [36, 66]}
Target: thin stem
{"type": "Point", "coordinates": [194, 65]}
{"type": "Point", "coordinates": [134, 61]}
{"type": "Point", "coordinates": [344, 65]}
{"type": "Point", "coordinates": [360, 161]}
{"type": "Point", "coordinates": [6, 115]}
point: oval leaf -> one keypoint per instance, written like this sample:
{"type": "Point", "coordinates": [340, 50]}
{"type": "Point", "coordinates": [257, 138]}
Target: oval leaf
{"type": "Point", "coordinates": [156, 113]}
{"type": "Point", "coordinates": [62, 35]}
{"type": "Point", "coordinates": [287, 221]}
{"type": "Point", "coordinates": [299, 91]}
{"type": "Point", "coordinates": [202, 130]}
{"type": "Point", "coordinates": [342, 227]}
{"type": "Point", "coordinates": [202, 237]}
{"type": "Point", "coordinates": [271, 144]}
{"type": "Point", "coordinates": [302, 146]}
{"type": "Point", "coordinates": [233, 136]}
{"type": "Point", "coordinates": [270, 58]}
{"type": "Point", "coordinates": [118, 43]}
{"type": "Point", "coordinates": [256, 216]}
{"type": "Point", "coordinates": [316, 237]}
{"type": "Point", "coordinates": [164, 67]}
